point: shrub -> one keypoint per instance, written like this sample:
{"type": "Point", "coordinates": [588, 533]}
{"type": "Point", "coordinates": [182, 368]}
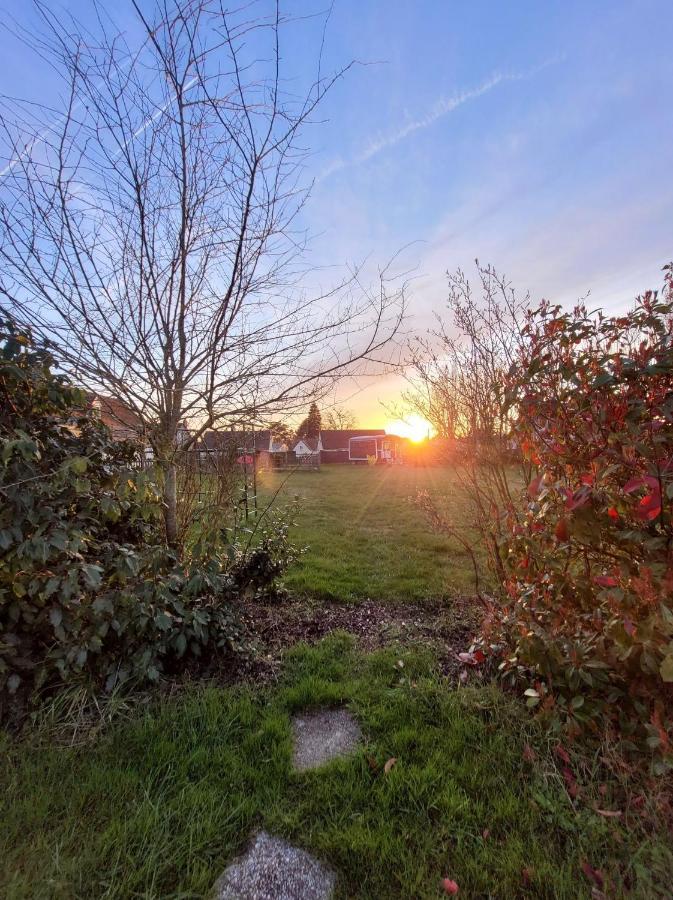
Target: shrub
{"type": "Point", "coordinates": [588, 618]}
{"type": "Point", "coordinates": [88, 588]}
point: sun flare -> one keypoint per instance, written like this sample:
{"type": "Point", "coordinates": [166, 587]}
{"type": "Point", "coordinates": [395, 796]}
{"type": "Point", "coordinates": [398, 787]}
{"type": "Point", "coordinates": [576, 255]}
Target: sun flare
{"type": "Point", "coordinates": [414, 427]}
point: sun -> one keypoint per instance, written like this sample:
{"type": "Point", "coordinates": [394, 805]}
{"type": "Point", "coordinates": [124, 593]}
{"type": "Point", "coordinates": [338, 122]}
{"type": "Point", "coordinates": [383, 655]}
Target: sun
{"type": "Point", "coordinates": [414, 427]}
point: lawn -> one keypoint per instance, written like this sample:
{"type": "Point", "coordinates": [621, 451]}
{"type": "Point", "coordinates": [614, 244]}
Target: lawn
{"type": "Point", "coordinates": [367, 539]}
{"type": "Point", "coordinates": [159, 804]}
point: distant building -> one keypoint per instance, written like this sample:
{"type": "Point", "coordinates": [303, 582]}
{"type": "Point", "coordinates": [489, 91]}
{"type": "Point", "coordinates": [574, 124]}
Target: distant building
{"type": "Point", "coordinates": [352, 445]}
{"type": "Point", "coordinates": [335, 443]}
{"type": "Point", "coordinates": [123, 422]}
{"type": "Point", "coordinates": [246, 447]}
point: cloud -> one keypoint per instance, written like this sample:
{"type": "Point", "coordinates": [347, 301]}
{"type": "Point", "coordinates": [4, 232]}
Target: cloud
{"type": "Point", "coordinates": [443, 107]}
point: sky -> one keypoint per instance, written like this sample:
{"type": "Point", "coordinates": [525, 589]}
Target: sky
{"type": "Point", "coordinates": [535, 136]}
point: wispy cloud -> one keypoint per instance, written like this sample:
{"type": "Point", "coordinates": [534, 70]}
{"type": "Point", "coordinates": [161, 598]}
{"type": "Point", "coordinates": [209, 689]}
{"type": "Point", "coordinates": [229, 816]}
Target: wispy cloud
{"type": "Point", "coordinates": [443, 107]}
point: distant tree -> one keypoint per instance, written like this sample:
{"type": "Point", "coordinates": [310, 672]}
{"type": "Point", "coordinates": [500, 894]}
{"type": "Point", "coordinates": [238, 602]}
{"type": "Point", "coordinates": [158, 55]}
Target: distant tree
{"type": "Point", "coordinates": [340, 418]}
{"type": "Point", "coordinates": [310, 427]}
{"type": "Point", "coordinates": [281, 432]}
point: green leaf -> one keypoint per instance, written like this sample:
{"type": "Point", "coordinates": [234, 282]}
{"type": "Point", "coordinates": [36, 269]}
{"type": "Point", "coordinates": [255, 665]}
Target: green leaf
{"type": "Point", "coordinates": [93, 575]}
{"type": "Point", "coordinates": [55, 616]}
{"type": "Point", "coordinates": [666, 668]}
{"type": "Point", "coordinates": [79, 464]}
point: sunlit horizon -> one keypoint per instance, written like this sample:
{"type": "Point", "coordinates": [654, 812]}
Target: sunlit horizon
{"type": "Point", "coordinates": [413, 426]}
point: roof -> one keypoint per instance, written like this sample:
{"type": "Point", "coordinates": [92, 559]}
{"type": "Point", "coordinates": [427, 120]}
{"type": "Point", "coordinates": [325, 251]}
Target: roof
{"type": "Point", "coordinates": [115, 412]}
{"type": "Point", "coordinates": [337, 439]}
{"type": "Point", "coordinates": [311, 443]}
{"type": "Point", "coordinates": [236, 440]}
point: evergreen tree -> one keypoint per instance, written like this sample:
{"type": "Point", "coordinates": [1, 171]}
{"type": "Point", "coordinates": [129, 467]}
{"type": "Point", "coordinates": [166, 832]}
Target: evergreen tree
{"type": "Point", "coordinates": [310, 427]}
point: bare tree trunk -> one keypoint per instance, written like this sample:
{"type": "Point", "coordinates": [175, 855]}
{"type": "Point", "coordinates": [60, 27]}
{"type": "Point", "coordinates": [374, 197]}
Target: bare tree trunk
{"type": "Point", "coordinates": [171, 504]}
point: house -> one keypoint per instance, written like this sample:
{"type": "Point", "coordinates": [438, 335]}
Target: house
{"type": "Point", "coordinates": [260, 447]}
{"type": "Point", "coordinates": [306, 453]}
{"type": "Point", "coordinates": [307, 446]}
{"type": "Point", "coordinates": [126, 425]}
{"type": "Point", "coordinates": [335, 444]}
{"type": "Point", "coordinates": [123, 422]}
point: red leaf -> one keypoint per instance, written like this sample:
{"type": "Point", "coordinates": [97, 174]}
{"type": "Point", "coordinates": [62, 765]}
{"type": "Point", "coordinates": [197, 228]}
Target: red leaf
{"type": "Point", "coordinates": [527, 875]}
{"type": "Point", "coordinates": [562, 754]}
{"type": "Point", "coordinates": [535, 486]}
{"type": "Point", "coordinates": [472, 659]}
{"type": "Point", "coordinates": [528, 753]}
{"type": "Point", "coordinates": [612, 512]}
{"type": "Point", "coordinates": [593, 874]}
{"type": "Point", "coordinates": [607, 581]}
{"type": "Point", "coordinates": [562, 532]}
{"type": "Point", "coordinates": [569, 779]}
{"type": "Point", "coordinates": [486, 833]}
{"type": "Point", "coordinates": [649, 507]}
{"type": "Point", "coordinates": [579, 498]}
{"type": "Point", "coordinates": [450, 886]}
{"type": "Point", "coordinates": [629, 627]}
{"type": "Point", "coordinates": [640, 481]}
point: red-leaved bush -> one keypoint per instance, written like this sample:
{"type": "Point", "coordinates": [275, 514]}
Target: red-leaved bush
{"type": "Point", "coordinates": [588, 618]}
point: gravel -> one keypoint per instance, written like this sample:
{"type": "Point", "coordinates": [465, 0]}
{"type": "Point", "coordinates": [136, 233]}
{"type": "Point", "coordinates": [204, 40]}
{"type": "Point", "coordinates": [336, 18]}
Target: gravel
{"type": "Point", "coordinates": [323, 735]}
{"type": "Point", "coordinates": [272, 869]}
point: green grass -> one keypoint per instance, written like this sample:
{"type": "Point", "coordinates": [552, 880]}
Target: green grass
{"type": "Point", "coordinates": [159, 804]}
{"type": "Point", "coordinates": [367, 539]}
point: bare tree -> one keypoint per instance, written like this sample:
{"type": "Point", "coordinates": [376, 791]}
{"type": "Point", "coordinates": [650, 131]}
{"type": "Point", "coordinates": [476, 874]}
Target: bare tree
{"type": "Point", "coordinates": [456, 379]}
{"type": "Point", "coordinates": [150, 227]}
{"type": "Point", "coordinates": [340, 418]}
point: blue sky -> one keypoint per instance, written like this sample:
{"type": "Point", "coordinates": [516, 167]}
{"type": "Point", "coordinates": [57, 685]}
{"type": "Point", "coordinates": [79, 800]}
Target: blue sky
{"type": "Point", "coordinates": [533, 135]}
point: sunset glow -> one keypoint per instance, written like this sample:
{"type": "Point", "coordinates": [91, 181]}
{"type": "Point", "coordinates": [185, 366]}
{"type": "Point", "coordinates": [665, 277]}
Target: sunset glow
{"type": "Point", "coordinates": [413, 427]}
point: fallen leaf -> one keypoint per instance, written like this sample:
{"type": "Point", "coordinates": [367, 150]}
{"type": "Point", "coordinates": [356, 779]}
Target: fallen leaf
{"type": "Point", "coordinates": [450, 886]}
{"type": "Point", "coordinates": [592, 874]}
{"type": "Point", "coordinates": [472, 659]}
{"type": "Point", "coordinates": [571, 783]}
{"type": "Point", "coordinates": [372, 763]}
{"type": "Point", "coordinates": [527, 875]}
{"type": "Point", "coordinates": [562, 753]}
{"type": "Point", "coordinates": [528, 753]}
{"type": "Point", "coordinates": [486, 833]}
{"type": "Point", "coordinates": [388, 766]}
{"type": "Point", "coordinates": [609, 813]}
{"type": "Point", "coordinates": [463, 676]}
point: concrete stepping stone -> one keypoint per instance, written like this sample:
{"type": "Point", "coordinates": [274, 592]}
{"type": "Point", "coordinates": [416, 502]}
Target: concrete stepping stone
{"type": "Point", "coordinates": [321, 736]}
{"type": "Point", "coordinates": [272, 869]}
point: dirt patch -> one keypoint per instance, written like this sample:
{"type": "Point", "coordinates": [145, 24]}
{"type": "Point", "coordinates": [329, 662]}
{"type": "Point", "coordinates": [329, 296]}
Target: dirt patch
{"type": "Point", "coordinates": [446, 627]}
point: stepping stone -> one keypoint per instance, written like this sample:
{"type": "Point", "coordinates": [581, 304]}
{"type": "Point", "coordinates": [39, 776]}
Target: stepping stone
{"type": "Point", "coordinates": [322, 736]}
{"type": "Point", "coordinates": [272, 869]}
